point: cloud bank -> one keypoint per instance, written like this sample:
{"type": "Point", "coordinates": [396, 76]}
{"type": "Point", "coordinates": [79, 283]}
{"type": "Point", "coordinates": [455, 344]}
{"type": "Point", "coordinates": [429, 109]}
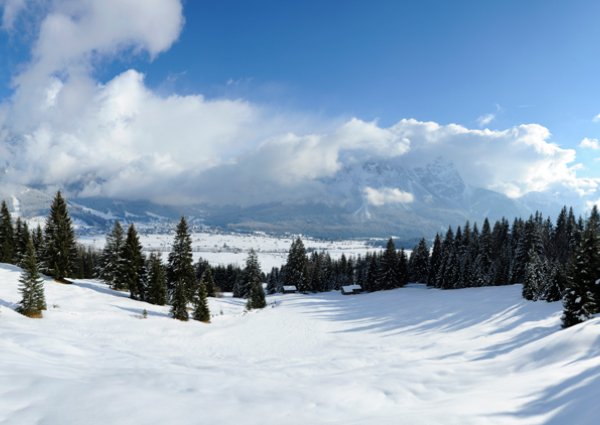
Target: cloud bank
{"type": "Point", "coordinates": [122, 139]}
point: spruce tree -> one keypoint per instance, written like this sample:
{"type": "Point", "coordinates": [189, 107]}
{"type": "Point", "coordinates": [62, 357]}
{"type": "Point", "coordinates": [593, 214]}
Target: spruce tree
{"type": "Point", "coordinates": [388, 268]}
{"type": "Point", "coordinates": [530, 241]}
{"type": "Point", "coordinates": [257, 296]}
{"type": "Point", "coordinates": [180, 269]}
{"type": "Point", "coordinates": [157, 280]}
{"type": "Point", "coordinates": [22, 235]}
{"type": "Point", "coordinates": [272, 281]}
{"type": "Point", "coordinates": [111, 257]}
{"type": "Point", "coordinates": [201, 310]}
{"type": "Point", "coordinates": [209, 282]}
{"type": "Point", "coordinates": [580, 301]}
{"type": "Point", "coordinates": [37, 237]}
{"type": "Point", "coordinates": [59, 241]}
{"type": "Point", "coordinates": [251, 275]}
{"type": "Point", "coordinates": [31, 285]}
{"type": "Point", "coordinates": [179, 301]}
{"type": "Point", "coordinates": [435, 260]}
{"type": "Point", "coordinates": [536, 277]}
{"type": "Point", "coordinates": [296, 267]}
{"type": "Point", "coordinates": [372, 274]}
{"type": "Point", "coordinates": [402, 268]}
{"type": "Point", "coordinates": [7, 238]}
{"type": "Point", "coordinates": [131, 270]}
{"type": "Point", "coordinates": [419, 271]}
{"type": "Point", "coordinates": [316, 272]}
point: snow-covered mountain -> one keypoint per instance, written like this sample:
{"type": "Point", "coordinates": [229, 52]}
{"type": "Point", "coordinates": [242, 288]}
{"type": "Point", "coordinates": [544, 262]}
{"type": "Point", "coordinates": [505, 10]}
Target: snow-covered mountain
{"type": "Point", "coordinates": [438, 197]}
{"type": "Point", "coordinates": [364, 198]}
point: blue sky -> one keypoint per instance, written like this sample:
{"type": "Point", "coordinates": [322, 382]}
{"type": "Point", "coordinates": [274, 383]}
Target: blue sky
{"type": "Point", "coordinates": [480, 64]}
{"type": "Point", "coordinates": [533, 61]}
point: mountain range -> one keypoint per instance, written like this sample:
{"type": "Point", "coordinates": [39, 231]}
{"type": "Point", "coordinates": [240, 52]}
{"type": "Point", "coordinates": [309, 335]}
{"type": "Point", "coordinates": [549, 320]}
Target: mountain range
{"type": "Point", "coordinates": [426, 199]}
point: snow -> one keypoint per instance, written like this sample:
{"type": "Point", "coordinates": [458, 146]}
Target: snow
{"type": "Point", "coordinates": [232, 248]}
{"type": "Point", "coordinates": [289, 288]}
{"type": "Point", "coordinates": [351, 288]}
{"type": "Point", "coordinates": [16, 204]}
{"type": "Point", "coordinates": [411, 356]}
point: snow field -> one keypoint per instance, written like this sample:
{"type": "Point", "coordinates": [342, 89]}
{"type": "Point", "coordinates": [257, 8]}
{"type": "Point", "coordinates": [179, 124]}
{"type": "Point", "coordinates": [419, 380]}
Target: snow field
{"type": "Point", "coordinates": [408, 356]}
{"type": "Point", "coordinates": [232, 248]}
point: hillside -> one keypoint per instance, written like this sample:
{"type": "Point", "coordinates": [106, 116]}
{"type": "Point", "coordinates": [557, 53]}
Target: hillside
{"type": "Point", "coordinates": [408, 356]}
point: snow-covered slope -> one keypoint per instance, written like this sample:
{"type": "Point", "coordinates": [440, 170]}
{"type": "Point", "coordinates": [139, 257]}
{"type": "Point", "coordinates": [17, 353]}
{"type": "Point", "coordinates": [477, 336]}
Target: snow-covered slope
{"type": "Point", "coordinates": [409, 356]}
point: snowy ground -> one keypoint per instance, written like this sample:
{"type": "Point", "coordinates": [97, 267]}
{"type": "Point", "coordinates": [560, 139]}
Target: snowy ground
{"type": "Point", "coordinates": [409, 356]}
{"type": "Point", "coordinates": [232, 248]}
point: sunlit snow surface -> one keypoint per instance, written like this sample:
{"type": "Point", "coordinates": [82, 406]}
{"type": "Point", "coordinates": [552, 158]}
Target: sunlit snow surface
{"type": "Point", "coordinates": [408, 356]}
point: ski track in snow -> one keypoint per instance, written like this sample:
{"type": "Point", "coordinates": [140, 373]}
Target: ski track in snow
{"type": "Point", "coordinates": [408, 356]}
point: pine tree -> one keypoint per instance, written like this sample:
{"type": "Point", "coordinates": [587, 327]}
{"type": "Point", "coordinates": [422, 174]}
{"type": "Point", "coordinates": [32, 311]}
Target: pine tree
{"type": "Point", "coordinates": [257, 296]}
{"type": "Point", "coordinates": [7, 238]}
{"type": "Point", "coordinates": [272, 280]}
{"type": "Point", "coordinates": [554, 288]}
{"type": "Point", "coordinates": [32, 286]}
{"type": "Point", "coordinates": [209, 282]}
{"type": "Point", "coordinates": [402, 268]}
{"type": "Point", "coordinates": [179, 301]}
{"type": "Point", "coordinates": [580, 301]}
{"type": "Point", "coordinates": [447, 246]}
{"type": "Point", "coordinates": [252, 274]}
{"type": "Point", "coordinates": [388, 268]}
{"type": "Point", "coordinates": [131, 270]}
{"type": "Point", "coordinates": [296, 267]}
{"type": "Point", "coordinates": [157, 280]}
{"type": "Point", "coordinates": [111, 257]}
{"type": "Point", "coordinates": [37, 237]}
{"type": "Point", "coordinates": [435, 260]}
{"type": "Point", "coordinates": [316, 272]}
{"type": "Point", "coordinates": [372, 274]}
{"type": "Point", "coordinates": [201, 310]}
{"type": "Point", "coordinates": [59, 241]}
{"type": "Point", "coordinates": [483, 257]}
{"type": "Point", "coordinates": [529, 241]}
{"type": "Point", "coordinates": [536, 277]}
{"type": "Point", "coordinates": [21, 237]}
{"type": "Point", "coordinates": [180, 269]}
{"type": "Point", "coordinates": [419, 271]}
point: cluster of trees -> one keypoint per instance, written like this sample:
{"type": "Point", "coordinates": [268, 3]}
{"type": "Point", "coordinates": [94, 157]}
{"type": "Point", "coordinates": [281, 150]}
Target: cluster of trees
{"type": "Point", "coordinates": [52, 251]}
{"type": "Point", "coordinates": [552, 260]}
{"type": "Point", "coordinates": [318, 272]}
{"type": "Point", "coordinates": [123, 266]}
{"type": "Point", "coordinates": [54, 246]}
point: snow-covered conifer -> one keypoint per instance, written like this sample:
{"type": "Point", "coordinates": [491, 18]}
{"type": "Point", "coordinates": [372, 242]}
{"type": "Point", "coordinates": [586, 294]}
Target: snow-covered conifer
{"type": "Point", "coordinates": [59, 241]}
{"type": "Point", "coordinates": [7, 238]}
{"type": "Point", "coordinates": [31, 286]}
{"type": "Point", "coordinates": [201, 310]}
{"type": "Point", "coordinates": [157, 280]}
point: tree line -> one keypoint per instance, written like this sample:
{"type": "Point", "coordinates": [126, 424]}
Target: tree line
{"type": "Point", "coordinates": [552, 260]}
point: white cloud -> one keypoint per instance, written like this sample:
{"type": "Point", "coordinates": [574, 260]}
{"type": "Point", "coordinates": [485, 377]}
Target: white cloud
{"type": "Point", "coordinates": [588, 143]}
{"type": "Point", "coordinates": [596, 118]}
{"type": "Point", "coordinates": [485, 119]}
{"type": "Point", "coordinates": [121, 138]}
{"type": "Point", "coordinates": [387, 195]}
